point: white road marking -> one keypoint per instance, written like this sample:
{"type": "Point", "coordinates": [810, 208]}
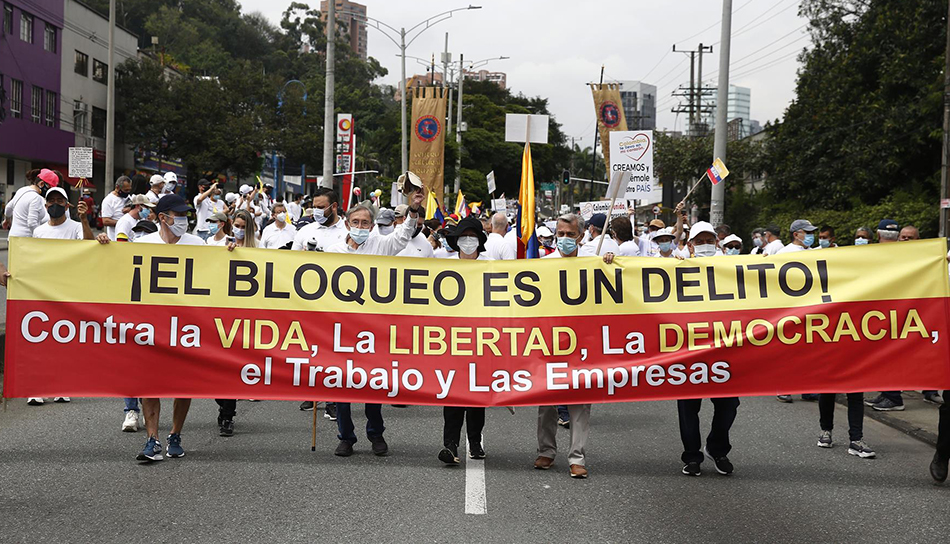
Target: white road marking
{"type": "Point", "coordinates": [475, 501]}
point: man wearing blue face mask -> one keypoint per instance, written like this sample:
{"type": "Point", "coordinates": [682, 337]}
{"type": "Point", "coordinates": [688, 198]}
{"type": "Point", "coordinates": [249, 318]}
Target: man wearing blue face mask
{"type": "Point", "coordinates": [703, 242]}
{"type": "Point", "coordinates": [172, 213]}
{"type": "Point", "coordinates": [803, 236]}
{"type": "Point", "coordinates": [862, 236]}
{"type": "Point", "coordinates": [360, 221]}
{"type": "Point", "coordinates": [731, 245]}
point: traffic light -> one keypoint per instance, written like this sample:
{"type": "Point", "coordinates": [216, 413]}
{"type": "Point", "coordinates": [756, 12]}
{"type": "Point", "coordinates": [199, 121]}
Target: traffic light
{"type": "Point", "coordinates": [566, 177]}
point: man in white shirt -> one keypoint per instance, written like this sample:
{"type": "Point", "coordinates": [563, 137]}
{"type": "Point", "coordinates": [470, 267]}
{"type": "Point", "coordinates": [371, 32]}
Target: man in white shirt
{"type": "Point", "coordinates": [596, 229]}
{"type": "Point", "coordinates": [27, 209]}
{"type": "Point", "coordinates": [60, 226]}
{"type": "Point", "coordinates": [359, 223]}
{"type": "Point", "coordinates": [156, 186]}
{"type": "Point", "coordinates": [647, 245]}
{"type": "Point", "coordinates": [279, 233]}
{"type": "Point", "coordinates": [171, 182]}
{"type": "Point", "coordinates": [267, 202]}
{"type": "Point", "coordinates": [114, 204]}
{"type": "Point", "coordinates": [294, 209]}
{"type": "Point", "coordinates": [141, 209]}
{"type": "Point", "coordinates": [204, 207]}
{"type": "Point", "coordinates": [497, 247]}
{"type": "Point", "coordinates": [803, 236]}
{"type": "Point", "coordinates": [772, 239]}
{"type": "Point", "coordinates": [419, 245]}
{"type": "Point", "coordinates": [172, 212]}
{"type": "Point", "coordinates": [327, 229]}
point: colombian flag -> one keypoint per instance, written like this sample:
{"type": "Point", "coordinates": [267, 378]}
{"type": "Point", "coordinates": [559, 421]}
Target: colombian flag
{"type": "Point", "coordinates": [527, 241]}
{"type": "Point", "coordinates": [461, 207]}
{"type": "Point", "coordinates": [717, 172]}
{"type": "Point", "coordinates": [433, 210]}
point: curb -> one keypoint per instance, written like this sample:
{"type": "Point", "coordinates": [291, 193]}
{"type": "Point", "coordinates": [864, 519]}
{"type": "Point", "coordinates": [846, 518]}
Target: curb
{"type": "Point", "coordinates": [924, 435]}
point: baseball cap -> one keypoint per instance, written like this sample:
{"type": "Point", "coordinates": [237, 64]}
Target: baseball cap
{"type": "Point", "coordinates": [698, 227]}
{"type": "Point", "coordinates": [49, 177]}
{"type": "Point", "coordinates": [141, 200]}
{"type": "Point", "coordinates": [230, 197]}
{"type": "Point", "coordinates": [401, 210]}
{"type": "Point", "coordinates": [145, 226]}
{"type": "Point", "coordinates": [204, 183]}
{"type": "Point", "coordinates": [888, 224]}
{"type": "Point", "coordinates": [731, 238]}
{"type": "Point", "coordinates": [666, 231]}
{"type": "Point", "coordinates": [598, 220]}
{"type": "Point", "coordinates": [658, 223]}
{"type": "Point", "coordinates": [774, 230]}
{"type": "Point", "coordinates": [544, 231]}
{"type": "Point", "coordinates": [218, 216]}
{"type": "Point", "coordinates": [805, 225]}
{"type": "Point", "coordinates": [156, 179]}
{"type": "Point", "coordinates": [385, 217]}
{"type": "Point", "coordinates": [171, 177]}
{"type": "Point", "coordinates": [56, 190]}
{"type": "Point", "coordinates": [246, 189]}
{"type": "Point", "coordinates": [173, 203]}
{"type": "Point", "coordinates": [408, 182]}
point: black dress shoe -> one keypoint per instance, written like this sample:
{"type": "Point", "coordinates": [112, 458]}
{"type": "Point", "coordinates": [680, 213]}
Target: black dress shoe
{"type": "Point", "coordinates": [344, 449]}
{"type": "Point", "coordinates": [938, 468]}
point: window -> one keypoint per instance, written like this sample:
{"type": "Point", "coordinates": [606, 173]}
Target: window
{"type": "Point", "coordinates": [49, 38]}
{"type": "Point", "coordinates": [26, 27]}
{"type": "Point", "coordinates": [36, 104]}
{"type": "Point", "coordinates": [100, 71]}
{"type": "Point", "coordinates": [98, 122]}
{"type": "Point", "coordinates": [50, 109]}
{"type": "Point", "coordinates": [82, 64]}
{"type": "Point", "coordinates": [79, 117]}
{"type": "Point", "coordinates": [16, 98]}
{"type": "Point", "coordinates": [7, 18]}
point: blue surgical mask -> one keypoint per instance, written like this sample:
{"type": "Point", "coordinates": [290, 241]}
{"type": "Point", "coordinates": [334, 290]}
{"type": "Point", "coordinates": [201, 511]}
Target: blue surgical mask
{"type": "Point", "coordinates": [860, 241]}
{"type": "Point", "coordinates": [566, 245]}
{"type": "Point", "coordinates": [213, 228]}
{"type": "Point", "coordinates": [318, 216]}
{"type": "Point", "coordinates": [824, 243]}
{"type": "Point", "coordinates": [665, 246]}
{"type": "Point", "coordinates": [809, 240]}
{"type": "Point", "coordinates": [359, 235]}
{"type": "Point", "coordinates": [238, 233]}
{"type": "Point", "coordinates": [732, 251]}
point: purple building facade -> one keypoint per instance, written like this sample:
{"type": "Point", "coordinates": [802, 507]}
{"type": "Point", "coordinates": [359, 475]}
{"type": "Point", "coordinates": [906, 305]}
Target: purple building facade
{"type": "Point", "coordinates": [31, 38]}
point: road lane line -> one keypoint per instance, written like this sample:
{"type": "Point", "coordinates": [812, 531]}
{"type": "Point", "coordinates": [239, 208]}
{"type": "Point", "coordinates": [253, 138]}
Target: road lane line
{"type": "Point", "coordinates": [475, 501]}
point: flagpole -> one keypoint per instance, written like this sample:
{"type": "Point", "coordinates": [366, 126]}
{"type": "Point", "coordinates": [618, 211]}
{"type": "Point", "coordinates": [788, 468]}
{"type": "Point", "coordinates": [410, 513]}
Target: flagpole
{"type": "Point", "coordinates": [706, 175]}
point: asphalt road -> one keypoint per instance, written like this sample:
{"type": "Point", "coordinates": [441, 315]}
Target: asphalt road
{"type": "Point", "coordinates": [68, 474]}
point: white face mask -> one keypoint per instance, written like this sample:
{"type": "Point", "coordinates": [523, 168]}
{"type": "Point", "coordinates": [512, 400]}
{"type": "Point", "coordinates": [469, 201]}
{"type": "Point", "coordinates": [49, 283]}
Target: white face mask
{"type": "Point", "coordinates": [281, 217]}
{"type": "Point", "coordinates": [704, 250]}
{"type": "Point", "coordinates": [468, 244]}
{"type": "Point", "coordinates": [386, 229]}
{"type": "Point", "coordinates": [179, 227]}
{"type": "Point", "coordinates": [318, 216]}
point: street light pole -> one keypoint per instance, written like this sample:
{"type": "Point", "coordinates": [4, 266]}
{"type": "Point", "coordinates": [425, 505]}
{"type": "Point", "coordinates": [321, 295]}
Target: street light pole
{"type": "Point", "coordinates": [402, 103]}
{"type": "Point", "coordinates": [716, 202]}
{"type": "Point", "coordinates": [328, 110]}
{"type": "Point", "coordinates": [458, 128]}
{"type": "Point", "coordinates": [110, 105]}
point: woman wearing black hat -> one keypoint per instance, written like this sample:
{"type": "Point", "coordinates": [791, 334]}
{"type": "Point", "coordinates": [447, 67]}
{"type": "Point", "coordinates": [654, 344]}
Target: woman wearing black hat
{"type": "Point", "coordinates": [468, 240]}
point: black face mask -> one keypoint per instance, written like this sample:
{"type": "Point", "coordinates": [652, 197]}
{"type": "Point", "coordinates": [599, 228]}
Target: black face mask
{"type": "Point", "coordinates": [56, 211]}
{"type": "Point", "coordinates": [416, 232]}
{"type": "Point", "coordinates": [123, 194]}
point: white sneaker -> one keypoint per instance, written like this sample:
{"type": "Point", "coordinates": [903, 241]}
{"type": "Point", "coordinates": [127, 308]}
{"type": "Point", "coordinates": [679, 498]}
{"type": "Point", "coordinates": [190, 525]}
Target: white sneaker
{"type": "Point", "coordinates": [60, 399]}
{"type": "Point", "coordinates": [34, 401]}
{"type": "Point", "coordinates": [131, 423]}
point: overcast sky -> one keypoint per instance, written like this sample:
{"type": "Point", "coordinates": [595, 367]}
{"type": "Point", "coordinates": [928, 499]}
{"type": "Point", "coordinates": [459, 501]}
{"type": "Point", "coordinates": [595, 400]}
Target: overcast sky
{"type": "Point", "coordinates": [557, 46]}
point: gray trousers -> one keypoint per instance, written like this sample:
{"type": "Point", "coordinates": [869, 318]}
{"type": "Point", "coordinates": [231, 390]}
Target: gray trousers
{"type": "Point", "coordinates": [580, 429]}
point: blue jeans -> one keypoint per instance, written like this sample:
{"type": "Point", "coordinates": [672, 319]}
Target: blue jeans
{"type": "Point", "coordinates": [344, 421]}
{"type": "Point", "coordinates": [562, 413]}
{"type": "Point", "coordinates": [131, 404]}
{"type": "Point", "coordinates": [203, 234]}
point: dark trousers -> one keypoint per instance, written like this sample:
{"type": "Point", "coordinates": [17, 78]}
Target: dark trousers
{"type": "Point", "coordinates": [563, 413]}
{"type": "Point", "coordinates": [344, 421]}
{"type": "Point", "coordinates": [894, 396]}
{"type": "Point", "coordinates": [943, 429]}
{"type": "Point", "coordinates": [226, 408]}
{"type": "Point", "coordinates": [717, 443]}
{"type": "Point", "coordinates": [826, 414]}
{"type": "Point", "coordinates": [454, 416]}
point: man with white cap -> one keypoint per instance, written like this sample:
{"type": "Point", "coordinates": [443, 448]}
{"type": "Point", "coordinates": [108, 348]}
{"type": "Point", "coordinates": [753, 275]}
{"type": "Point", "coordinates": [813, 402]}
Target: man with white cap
{"type": "Point", "coordinates": [648, 247]}
{"type": "Point", "coordinates": [596, 229]}
{"type": "Point", "coordinates": [803, 236]}
{"type": "Point", "coordinates": [418, 245]}
{"type": "Point", "coordinates": [141, 209]}
{"type": "Point", "coordinates": [156, 188]}
{"type": "Point", "coordinates": [171, 182]}
{"type": "Point", "coordinates": [666, 248]}
{"type": "Point", "coordinates": [384, 221]}
{"type": "Point", "coordinates": [731, 245]}
{"type": "Point", "coordinates": [703, 242]}
{"type": "Point", "coordinates": [546, 238]}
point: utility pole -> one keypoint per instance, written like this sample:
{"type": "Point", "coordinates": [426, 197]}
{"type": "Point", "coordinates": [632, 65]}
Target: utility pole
{"type": "Point", "coordinates": [593, 153]}
{"type": "Point", "coordinates": [458, 128]}
{"type": "Point", "coordinates": [944, 182]}
{"type": "Point", "coordinates": [446, 87]}
{"type": "Point", "coordinates": [110, 105]}
{"type": "Point", "coordinates": [694, 94]}
{"type": "Point", "coordinates": [717, 201]}
{"type": "Point", "coordinates": [328, 121]}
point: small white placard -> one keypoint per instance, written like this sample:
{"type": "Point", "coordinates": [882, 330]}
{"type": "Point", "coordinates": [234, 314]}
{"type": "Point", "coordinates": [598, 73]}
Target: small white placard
{"type": "Point", "coordinates": [80, 162]}
{"type": "Point", "coordinates": [517, 127]}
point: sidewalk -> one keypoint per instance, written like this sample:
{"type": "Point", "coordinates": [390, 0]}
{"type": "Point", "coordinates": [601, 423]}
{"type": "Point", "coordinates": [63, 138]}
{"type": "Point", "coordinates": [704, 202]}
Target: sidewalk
{"type": "Point", "coordinates": [919, 418]}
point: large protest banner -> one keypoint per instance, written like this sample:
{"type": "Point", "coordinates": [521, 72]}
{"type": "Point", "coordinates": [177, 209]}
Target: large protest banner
{"type": "Point", "coordinates": [143, 320]}
{"type": "Point", "coordinates": [427, 145]}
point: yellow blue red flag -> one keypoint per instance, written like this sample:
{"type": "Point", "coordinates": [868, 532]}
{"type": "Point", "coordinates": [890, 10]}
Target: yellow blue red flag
{"type": "Point", "coordinates": [527, 241]}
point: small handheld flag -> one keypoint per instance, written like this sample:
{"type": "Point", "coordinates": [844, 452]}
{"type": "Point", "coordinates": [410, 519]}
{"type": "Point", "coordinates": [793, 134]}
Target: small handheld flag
{"type": "Point", "coordinates": [717, 172]}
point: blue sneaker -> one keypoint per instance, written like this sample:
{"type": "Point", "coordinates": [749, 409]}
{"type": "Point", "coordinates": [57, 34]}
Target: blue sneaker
{"type": "Point", "coordinates": [152, 450]}
{"type": "Point", "coordinates": [174, 446]}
